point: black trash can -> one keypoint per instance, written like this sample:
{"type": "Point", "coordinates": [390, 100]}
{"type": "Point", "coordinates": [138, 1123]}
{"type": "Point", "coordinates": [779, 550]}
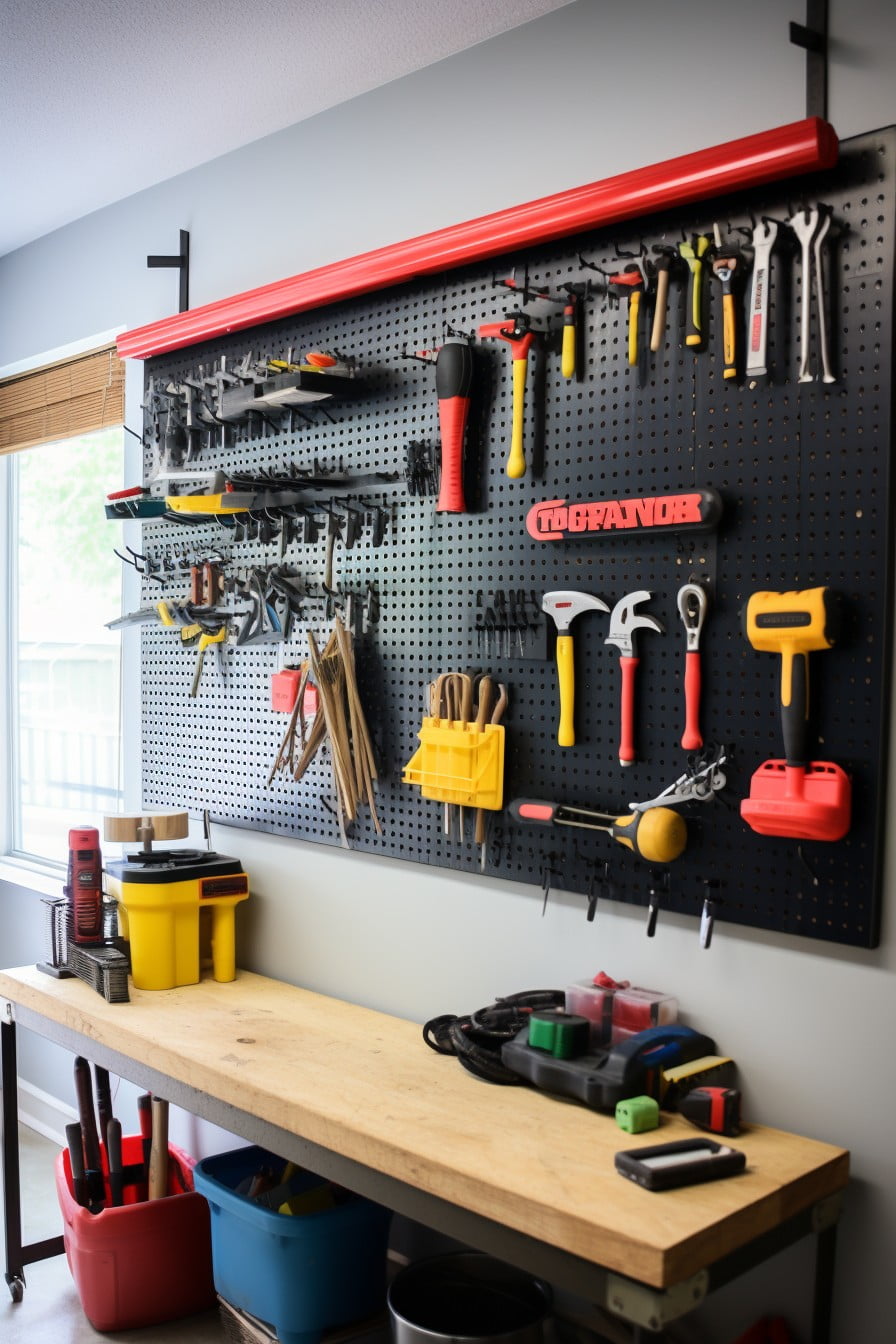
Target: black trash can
{"type": "Point", "coordinates": [467, 1296]}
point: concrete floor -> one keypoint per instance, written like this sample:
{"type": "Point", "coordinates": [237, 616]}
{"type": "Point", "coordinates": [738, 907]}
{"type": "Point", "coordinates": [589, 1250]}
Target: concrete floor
{"type": "Point", "coordinates": [51, 1308]}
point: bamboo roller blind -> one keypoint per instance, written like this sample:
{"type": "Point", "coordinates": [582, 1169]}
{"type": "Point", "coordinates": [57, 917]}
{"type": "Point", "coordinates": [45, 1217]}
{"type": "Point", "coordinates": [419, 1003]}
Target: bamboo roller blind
{"type": "Point", "coordinates": [75, 396]}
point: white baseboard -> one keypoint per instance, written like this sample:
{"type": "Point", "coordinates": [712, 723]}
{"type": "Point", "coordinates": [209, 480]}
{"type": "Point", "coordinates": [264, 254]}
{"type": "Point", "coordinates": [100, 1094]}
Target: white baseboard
{"type": "Point", "coordinates": [44, 1114]}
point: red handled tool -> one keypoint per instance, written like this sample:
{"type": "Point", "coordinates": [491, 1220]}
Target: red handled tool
{"type": "Point", "coordinates": [623, 624]}
{"type": "Point", "coordinates": [454, 379]}
{"type": "Point", "coordinates": [517, 331]}
{"type": "Point", "coordinates": [692, 605]}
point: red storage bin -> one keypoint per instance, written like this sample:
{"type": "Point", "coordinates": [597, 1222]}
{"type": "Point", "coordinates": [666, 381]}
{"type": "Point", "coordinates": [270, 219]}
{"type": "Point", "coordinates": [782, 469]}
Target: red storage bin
{"type": "Point", "coordinates": [144, 1262]}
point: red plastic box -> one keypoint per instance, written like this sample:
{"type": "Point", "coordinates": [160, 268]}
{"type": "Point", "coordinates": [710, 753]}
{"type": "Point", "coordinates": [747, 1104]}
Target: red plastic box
{"type": "Point", "coordinates": [146, 1261]}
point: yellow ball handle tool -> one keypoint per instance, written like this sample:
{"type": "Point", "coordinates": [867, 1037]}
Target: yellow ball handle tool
{"type": "Point", "coordinates": [658, 835]}
{"type": "Point", "coordinates": [563, 606]}
{"type": "Point", "coordinates": [516, 330]}
{"type": "Point", "coordinates": [693, 252]}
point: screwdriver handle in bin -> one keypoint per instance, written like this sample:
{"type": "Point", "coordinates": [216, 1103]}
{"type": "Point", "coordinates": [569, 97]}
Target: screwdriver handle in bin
{"type": "Point", "coordinates": [454, 379]}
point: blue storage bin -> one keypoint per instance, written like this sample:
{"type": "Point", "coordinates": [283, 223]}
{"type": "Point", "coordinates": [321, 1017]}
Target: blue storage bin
{"type": "Point", "coordinates": [301, 1273]}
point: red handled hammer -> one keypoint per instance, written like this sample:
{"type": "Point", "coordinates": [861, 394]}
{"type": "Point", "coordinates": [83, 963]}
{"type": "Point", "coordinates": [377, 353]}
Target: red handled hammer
{"type": "Point", "coordinates": [623, 624]}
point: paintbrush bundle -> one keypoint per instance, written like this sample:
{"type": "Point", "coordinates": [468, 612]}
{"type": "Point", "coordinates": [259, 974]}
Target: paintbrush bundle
{"type": "Point", "coordinates": [339, 723]}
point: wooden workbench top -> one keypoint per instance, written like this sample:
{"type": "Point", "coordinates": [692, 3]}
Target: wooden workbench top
{"type": "Point", "coordinates": [364, 1084]}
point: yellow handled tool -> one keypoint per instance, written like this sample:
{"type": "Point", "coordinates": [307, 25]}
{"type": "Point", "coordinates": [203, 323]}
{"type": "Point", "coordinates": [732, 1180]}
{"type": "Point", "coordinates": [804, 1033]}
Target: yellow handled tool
{"type": "Point", "coordinates": [517, 331]}
{"type": "Point", "coordinates": [632, 278]}
{"type": "Point", "coordinates": [658, 835]}
{"type": "Point", "coordinates": [563, 607]}
{"type": "Point", "coordinates": [205, 640]}
{"type": "Point", "coordinates": [725, 264]}
{"type": "Point", "coordinates": [693, 252]}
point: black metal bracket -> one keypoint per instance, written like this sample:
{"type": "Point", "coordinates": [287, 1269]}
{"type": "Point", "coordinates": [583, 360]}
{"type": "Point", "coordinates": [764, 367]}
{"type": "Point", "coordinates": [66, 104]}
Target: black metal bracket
{"type": "Point", "coordinates": [813, 38]}
{"type": "Point", "coordinates": [182, 261]}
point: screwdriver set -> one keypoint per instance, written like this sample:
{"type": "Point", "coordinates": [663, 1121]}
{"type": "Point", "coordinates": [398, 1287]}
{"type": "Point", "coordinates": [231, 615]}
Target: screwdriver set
{"type": "Point", "coordinates": [651, 428]}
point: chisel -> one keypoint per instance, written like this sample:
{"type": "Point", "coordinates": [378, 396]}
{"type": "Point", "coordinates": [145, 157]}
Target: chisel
{"type": "Point", "coordinates": [116, 1173]}
{"type": "Point", "coordinates": [144, 1115]}
{"type": "Point", "coordinates": [84, 1091]}
{"type": "Point", "coordinates": [103, 1098]}
{"type": "Point", "coordinates": [75, 1143]}
{"type": "Point", "coordinates": [158, 1159]}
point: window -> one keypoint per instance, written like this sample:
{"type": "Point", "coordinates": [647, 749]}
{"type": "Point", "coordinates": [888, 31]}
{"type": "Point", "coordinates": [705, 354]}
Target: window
{"type": "Point", "coordinates": [60, 582]}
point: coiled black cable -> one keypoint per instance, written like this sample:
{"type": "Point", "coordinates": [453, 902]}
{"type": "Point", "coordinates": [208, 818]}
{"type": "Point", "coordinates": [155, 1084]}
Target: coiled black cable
{"type": "Point", "coordinates": [477, 1038]}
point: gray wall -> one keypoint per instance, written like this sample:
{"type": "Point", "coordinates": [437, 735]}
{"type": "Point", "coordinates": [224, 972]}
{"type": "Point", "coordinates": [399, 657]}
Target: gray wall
{"type": "Point", "coordinates": [590, 90]}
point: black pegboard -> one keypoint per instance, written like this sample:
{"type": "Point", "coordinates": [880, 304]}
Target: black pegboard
{"type": "Point", "coordinates": [804, 471]}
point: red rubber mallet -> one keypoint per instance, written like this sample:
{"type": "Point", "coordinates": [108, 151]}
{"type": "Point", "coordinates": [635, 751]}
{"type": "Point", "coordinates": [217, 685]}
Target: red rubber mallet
{"type": "Point", "coordinates": [454, 380]}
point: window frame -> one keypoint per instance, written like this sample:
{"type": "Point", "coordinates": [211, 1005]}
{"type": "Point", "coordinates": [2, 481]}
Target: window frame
{"type": "Point", "coordinates": [28, 870]}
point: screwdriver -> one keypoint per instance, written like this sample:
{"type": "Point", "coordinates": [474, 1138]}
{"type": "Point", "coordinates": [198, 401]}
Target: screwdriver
{"type": "Point", "coordinates": [658, 842]}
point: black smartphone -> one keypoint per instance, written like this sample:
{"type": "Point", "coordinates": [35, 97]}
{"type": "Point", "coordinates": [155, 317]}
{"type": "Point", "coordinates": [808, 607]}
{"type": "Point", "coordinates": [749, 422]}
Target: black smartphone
{"type": "Point", "coordinates": [664, 1166]}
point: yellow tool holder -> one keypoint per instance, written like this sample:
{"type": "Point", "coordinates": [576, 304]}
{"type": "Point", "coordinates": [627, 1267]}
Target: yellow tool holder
{"type": "Point", "coordinates": [459, 763]}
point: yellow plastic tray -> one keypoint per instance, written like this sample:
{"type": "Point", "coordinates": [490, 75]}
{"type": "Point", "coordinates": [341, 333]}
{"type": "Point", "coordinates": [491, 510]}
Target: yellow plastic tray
{"type": "Point", "coordinates": [459, 763]}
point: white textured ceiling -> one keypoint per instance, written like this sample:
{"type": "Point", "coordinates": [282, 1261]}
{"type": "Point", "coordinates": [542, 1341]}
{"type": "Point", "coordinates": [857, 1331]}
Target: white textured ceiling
{"type": "Point", "coordinates": [101, 98]}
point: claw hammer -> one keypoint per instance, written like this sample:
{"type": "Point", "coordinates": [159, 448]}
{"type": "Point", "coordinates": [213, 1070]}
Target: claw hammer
{"type": "Point", "coordinates": [563, 607]}
{"type": "Point", "coordinates": [517, 331]}
{"type": "Point", "coordinates": [624, 622]}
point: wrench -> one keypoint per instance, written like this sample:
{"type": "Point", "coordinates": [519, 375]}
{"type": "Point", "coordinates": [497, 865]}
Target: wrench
{"type": "Point", "coordinates": [823, 227]}
{"type": "Point", "coordinates": [764, 235]}
{"type": "Point", "coordinates": [692, 605]}
{"type": "Point", "coordinates": [805, 224]}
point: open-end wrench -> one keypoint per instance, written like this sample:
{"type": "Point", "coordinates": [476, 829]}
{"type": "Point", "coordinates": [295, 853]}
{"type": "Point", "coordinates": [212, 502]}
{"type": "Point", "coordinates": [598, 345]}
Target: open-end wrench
{"type": "Point", "coordinates": [725, 263]}
{"type": "Point", "coordinates": [623, 624]}
{"type": "Point", "coordinates": [805, 224]}
{"type": "Point", "coordinates": [764, 235]}
{"type": "Point", "coordinates": [824, 224]}
{"type": "Point", "coordinates": [692, 604]}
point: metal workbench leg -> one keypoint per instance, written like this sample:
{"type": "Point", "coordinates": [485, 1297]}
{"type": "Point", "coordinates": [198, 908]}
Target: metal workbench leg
{"type": "Point", "coordinates": [17, 1255]}
{"type": "Point", "coordinates": [825, 1252]}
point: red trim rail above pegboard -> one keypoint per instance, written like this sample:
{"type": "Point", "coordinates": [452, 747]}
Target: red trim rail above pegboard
{"type": "Point", "coordinates": [786, 151]}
